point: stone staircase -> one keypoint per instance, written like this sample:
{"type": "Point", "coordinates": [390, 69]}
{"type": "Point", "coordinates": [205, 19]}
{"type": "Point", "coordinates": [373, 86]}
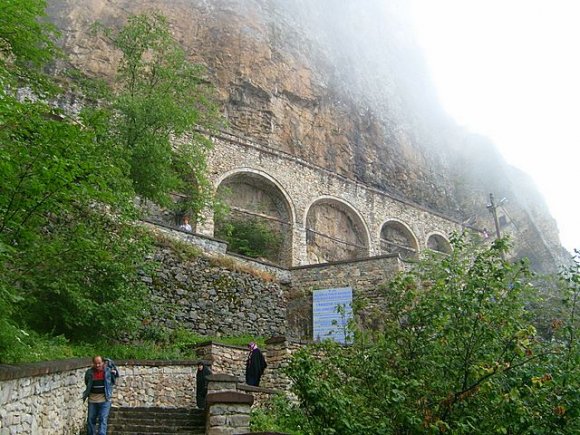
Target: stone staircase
{"type": "Point", "coordinates": [152, 421]}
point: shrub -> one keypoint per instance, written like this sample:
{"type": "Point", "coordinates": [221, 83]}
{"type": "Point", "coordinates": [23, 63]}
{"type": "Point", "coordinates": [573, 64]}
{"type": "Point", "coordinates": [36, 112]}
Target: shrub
{"type": "Point", "coordinates": [251, 238]}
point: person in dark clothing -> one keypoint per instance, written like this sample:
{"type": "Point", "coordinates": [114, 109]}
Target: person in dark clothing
{"type": "Point", "coordinates": [203, 372]}
{"type": "Point", "coordinates": [255, 365]}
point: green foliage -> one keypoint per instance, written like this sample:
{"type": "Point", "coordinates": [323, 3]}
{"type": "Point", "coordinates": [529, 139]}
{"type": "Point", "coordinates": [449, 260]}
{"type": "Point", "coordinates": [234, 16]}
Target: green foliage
{"type": "Point", "coordinates": [85, 281]}
{"type": "Point", "coordinates": [68, 264]}
{"type": "Point", "coordinates": [26, 44]}
{"type": "Point", "coordinates": [69, 253]}
{"type": "Point", "coordinates": [154, 343]}
{"type": "Point", "coordinates": [182, 338]}
{"type": "Point", "coordinates": [251, 238]}
{"type": "Point", "coordinates": [158, 96]}
{"type": "Point", "coordinates": [278, 415]}
{"type": "Point", "coordinates": [29, 346]}
{"type": "Point", "coordinates": [240, 340]}
{"type": "Point", "coordinates": [451, 349]}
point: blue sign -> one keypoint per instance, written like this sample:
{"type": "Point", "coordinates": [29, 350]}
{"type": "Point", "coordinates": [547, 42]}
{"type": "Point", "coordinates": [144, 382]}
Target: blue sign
{"type": "Point", "coordinates": [331, 312]}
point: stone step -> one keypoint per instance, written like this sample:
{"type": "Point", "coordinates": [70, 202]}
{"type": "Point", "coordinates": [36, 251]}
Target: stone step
{"type": "Point", "coordinates": [126, 416]}
{"type": "Point", "coordinates": [155, 410]}
{"type": "Point", "coordinates": [151, 421]}
{"type": "Point", "coordinates": [148, 430]}
{"type": "Point", "coordinates": [121, 432]}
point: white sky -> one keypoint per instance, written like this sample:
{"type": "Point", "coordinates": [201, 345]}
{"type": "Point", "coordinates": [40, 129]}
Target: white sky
{"type": "Point", "coordinates": [510, 70]}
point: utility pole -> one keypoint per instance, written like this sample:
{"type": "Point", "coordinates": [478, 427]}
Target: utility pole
{"type": "Point", "coordinates": [493, 210]}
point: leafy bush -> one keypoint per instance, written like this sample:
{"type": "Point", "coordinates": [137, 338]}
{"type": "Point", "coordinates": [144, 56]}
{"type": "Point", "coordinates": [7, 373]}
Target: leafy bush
{"type": "Point", "coordinates": [278, 415]}
{"type": "Point", "coordinates": [453, 349]}
{"type": "Point", "coordinates": [251, 238]}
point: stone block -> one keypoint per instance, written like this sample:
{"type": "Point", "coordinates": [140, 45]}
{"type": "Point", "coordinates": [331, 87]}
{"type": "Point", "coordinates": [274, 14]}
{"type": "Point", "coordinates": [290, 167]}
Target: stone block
{"type": "Point", "coordinates": [240, 420]}
{"type": "Point", "coordinates": [218, 420]}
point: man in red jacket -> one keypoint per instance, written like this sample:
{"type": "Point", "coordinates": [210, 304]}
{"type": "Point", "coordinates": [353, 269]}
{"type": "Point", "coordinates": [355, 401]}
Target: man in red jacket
{"type": "Point", "coordinates": [99, 381]}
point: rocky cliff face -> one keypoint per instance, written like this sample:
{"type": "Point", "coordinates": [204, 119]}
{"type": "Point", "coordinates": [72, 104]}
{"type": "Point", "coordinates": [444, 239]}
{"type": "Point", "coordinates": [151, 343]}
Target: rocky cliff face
{"type": "Point", "coordinates": [342, 85]}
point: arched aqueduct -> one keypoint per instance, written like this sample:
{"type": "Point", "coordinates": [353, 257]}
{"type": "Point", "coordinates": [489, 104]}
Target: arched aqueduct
{"type": "Point", "coordinates": [320, 216]}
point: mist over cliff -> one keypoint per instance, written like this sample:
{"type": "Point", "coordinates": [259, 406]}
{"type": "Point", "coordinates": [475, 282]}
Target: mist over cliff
{"type": "Point", "coordinates": [342, 85]}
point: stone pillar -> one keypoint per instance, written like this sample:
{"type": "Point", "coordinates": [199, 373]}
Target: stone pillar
{"type": "Point", "coordinates": [300, 254]}
{"type": "Point", "coordinates": [228, 411]}
{"type": "Point", "coordinates": [205, 226]}
{"type": "Point", "coordinates": [278, 357]}
{"type": "Point", "coordinates": [221, 382]}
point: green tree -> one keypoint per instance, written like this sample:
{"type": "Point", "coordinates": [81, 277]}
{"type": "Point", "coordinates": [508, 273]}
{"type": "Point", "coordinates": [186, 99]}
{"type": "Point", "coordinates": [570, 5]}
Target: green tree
{"type": "Point", "coordinates": [452, 348]}
{"type": "Point", "coordinates": [160, 100]}
{"type": "Point", "coordinates": [26, 43]}
{"type": "Point", "coordinates": [69, 254]}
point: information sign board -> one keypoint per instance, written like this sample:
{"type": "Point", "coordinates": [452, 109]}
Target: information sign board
{"type": "Point", "coordinates": [328, 322]}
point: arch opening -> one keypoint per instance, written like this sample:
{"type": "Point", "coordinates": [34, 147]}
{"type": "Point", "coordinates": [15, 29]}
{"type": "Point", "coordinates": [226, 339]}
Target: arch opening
{"type": "Point", "coordinates": [257, 221]}
{"type": "Point", "coordinates": [396, 238]}
{"type": "Point", "coordinates": [438, 243]}
{"type": "Point", "coordinates": [334, 232]}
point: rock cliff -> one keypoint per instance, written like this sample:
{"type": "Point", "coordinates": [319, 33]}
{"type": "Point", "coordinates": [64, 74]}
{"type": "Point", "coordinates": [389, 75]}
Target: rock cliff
{"type": "Point", "coordinates": [341, 85]}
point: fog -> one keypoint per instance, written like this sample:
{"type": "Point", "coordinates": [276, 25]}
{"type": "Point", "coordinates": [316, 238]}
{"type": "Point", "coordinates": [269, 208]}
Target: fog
{"type": "Point", "coordinates": [510, 70]}
{"type": "Point", "coordinates": [505, 70]}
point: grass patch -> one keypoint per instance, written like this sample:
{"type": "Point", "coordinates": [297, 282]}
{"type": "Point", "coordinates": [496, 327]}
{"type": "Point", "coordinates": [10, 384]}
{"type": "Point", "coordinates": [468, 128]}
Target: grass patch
{"type": "Point", "coordinates": [184, 250]}
{"type": "Point", "coordinates": [231, 264]}
{"type": "Point", "coordinates": [172, 345]}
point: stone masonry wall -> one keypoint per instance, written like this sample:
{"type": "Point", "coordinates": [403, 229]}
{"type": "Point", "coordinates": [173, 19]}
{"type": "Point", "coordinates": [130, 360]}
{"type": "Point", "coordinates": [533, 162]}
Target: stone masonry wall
{"type": "Point", "coordinates": [279, 350]}
{"type": "Point", "coordinates": [229, 362]}
{"type": "Point", "coordinates": [42, 398]}
{"type": "Point", "coordinates": [45, 398]}
{"type": "Point", "coordinates": [164, 384]}
{"type": "Point", "coordinates": [214, 296]}
{"type": "Point", "coordinates": [364, 276]}
{"type": "Point", "coordinates": [224, 358]}
{"type": "Point", "coordinates": [232, 155]}
{"type": "Point", "coordinates": [209, 296]}
{"type": "Point", "coordinates": [207, 244]}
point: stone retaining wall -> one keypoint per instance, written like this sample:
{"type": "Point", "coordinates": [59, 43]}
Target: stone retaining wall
{"type": "Point", "coordinates": [42, 398]}
{"type": "Point", "coordinates": [224, 358]}
{"type": "Point", "coordinates": [232, 360]}
{"type": "Point", "coordinates": [207, 244]}
{"type": "Point", "coordinates": [46, 398]}
{"type": "Point", "coordinates": [164, 384]}
{"type": "Point", "coordinates": [214, 296]}
{"type": "Point", "coordinates": [231, 295]}
{"type": "Point", "coordinates": [364, 276]}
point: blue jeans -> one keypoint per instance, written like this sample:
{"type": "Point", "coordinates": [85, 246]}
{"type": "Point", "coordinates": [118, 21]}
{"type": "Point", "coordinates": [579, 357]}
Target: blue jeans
{"type": "Point", "coordinates": [98, 411]}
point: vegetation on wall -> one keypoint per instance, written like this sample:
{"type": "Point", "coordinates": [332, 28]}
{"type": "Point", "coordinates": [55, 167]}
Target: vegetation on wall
{"type": "Point", "coordinates": [70, 254]}
{"type": "Point", "coordinates": [250, 237]}
{"type": "Point", "coordinates": [455, 350]}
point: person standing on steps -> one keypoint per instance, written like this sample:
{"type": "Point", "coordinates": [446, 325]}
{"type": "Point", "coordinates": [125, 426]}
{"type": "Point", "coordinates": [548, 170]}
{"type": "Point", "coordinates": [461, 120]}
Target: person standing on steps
{"type": "Point", "coordinates": [99, 381]}
{"type": "Point", "coordinates": [203, 372]}
{"type": "Point", "coordinates": [255, 365]}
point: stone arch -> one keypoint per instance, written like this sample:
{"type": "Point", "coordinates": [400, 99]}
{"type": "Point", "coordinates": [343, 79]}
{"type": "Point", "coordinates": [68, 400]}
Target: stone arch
{"type": "Point", "coordinates": [335, 231]}
{"type": "Point", "coordinates": [397, 238]}
{"type": "Point", "coordinates": [260, 215]}
{"type": "Point", "coordinates": [438, 243]}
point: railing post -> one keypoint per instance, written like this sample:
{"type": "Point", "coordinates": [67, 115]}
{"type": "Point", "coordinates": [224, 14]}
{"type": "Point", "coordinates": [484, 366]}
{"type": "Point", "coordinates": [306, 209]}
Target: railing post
{"type": "Point", "coordinates": [228, 410]}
